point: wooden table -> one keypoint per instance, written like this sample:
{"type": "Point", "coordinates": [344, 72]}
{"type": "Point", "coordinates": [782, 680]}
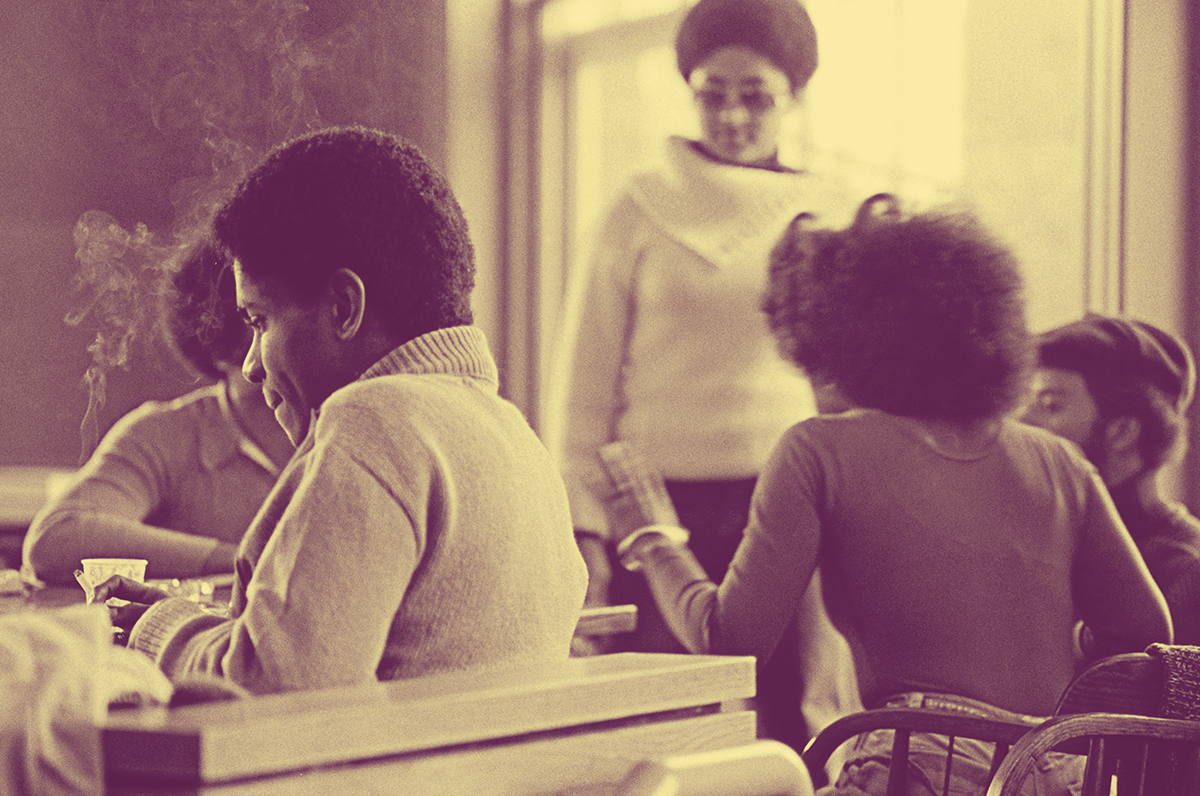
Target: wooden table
{"type": "Point", "coordinates": [23, 491]}
{"type": "Point", "coordinates": [573, 727]}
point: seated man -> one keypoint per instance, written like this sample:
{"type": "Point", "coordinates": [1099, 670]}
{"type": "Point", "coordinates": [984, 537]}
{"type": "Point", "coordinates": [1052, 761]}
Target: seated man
{"type": "Point", "coordinates": [421, 526]}
{"type": "Point", "coordinates": [1120, 389]}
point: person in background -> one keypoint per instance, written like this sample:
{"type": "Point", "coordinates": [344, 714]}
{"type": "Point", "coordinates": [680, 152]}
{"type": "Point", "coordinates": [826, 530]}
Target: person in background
{"type": "Point", "coordinates": [1120, 389]}
{"type": "Point", "coordinates": [177, 482]}
{"type": "Point", "coordinates": [421, 526]}
{"type": "Point", "coordinates": [957, 545]}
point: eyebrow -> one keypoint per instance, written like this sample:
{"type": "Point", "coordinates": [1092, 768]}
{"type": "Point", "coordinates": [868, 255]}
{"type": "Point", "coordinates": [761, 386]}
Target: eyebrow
{"type": "Point", "coordinates": [752, 80]}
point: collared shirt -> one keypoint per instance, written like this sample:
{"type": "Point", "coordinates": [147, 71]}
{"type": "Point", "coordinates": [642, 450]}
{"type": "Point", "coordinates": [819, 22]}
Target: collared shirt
{"type": "Point", "coordinates": [169, 481]}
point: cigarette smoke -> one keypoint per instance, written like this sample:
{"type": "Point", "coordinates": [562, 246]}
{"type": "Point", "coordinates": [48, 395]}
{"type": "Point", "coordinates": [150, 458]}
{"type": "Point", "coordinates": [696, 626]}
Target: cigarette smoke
{"type": "Point", "coordinates": [222, 81]}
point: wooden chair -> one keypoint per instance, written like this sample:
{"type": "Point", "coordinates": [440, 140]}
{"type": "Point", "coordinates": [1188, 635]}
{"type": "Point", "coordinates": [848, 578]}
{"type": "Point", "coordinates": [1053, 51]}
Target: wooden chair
{"type": "Point", "coordinates": [1134, 718]}
{"type": "Point", "coordinates": [905, 721]}
{"type": "Point", "coordinates": [1132, 685]}
{"type": "Point", "coordinates": [1145, 756]}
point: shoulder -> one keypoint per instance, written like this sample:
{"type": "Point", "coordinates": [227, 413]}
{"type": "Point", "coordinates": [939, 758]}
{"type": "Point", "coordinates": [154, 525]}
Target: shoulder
{"type": "Point", "coordinates": [625, 219]}
{"type": "Point", "coordinates": [399, 409]}
{"type": "Point", "coordinates": [188, 412]}
{"type": "Point", "coordinates": [844, 426]}
{"type": "Point", "coordinates": [1053, 449]}
{"type": "Point", "coordinates": [824, 438]}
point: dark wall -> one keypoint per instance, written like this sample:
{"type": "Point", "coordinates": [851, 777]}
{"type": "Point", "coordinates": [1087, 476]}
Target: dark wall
{"type": "Point", "coordinates": [147, 110]}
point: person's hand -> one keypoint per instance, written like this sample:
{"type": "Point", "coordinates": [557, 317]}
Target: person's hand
{"type": "Point", "coordinates": [139, 595]}
{"type": "Point", "coordinates": [634, 495]}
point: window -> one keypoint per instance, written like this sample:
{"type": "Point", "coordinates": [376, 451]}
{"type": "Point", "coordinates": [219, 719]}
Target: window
{"type": "Point", "coordinates": [1011, 108]}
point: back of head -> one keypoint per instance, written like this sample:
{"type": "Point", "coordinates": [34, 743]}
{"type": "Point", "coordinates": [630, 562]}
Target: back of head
{"type": "Point", "coordinates": [200, 310]}
{"type": "Point", "coordinates": [1131, 369]}
{"type": "Point", "coordinates": [780, 30]}
{"type": "Point", "coordinates": [919, 316]}
{"type": "Point", "coordinates": [363, 200]}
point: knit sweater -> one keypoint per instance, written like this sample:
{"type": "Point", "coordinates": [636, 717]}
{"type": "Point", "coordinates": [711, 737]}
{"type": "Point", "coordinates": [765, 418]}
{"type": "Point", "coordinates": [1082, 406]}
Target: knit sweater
{"type": "Point", "coordinates": [664, 342]}
{"type": "Point", "coordinates": [421, 527]}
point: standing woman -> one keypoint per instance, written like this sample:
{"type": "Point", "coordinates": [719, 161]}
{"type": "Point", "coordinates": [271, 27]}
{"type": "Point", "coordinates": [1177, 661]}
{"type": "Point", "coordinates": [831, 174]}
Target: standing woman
{"type": "Point", "coordinates": [665, 345]}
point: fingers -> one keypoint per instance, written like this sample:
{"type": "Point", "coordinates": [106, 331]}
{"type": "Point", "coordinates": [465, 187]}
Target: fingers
{"type": "Point", "coordinates": [635, 480]}
{"type": "Point", "coordinates": [126, 616]}
{"type": "Point", "coordinates": [123, 588]}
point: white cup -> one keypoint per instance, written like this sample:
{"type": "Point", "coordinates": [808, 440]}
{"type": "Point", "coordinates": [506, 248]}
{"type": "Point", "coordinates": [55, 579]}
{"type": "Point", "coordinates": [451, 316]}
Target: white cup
{"type": "Point", "coordinates": [98, 570]}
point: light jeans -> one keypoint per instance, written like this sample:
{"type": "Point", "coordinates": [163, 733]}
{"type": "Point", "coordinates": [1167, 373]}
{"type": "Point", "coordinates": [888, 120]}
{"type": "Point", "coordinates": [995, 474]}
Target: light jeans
{"type": "Point", "coordinates": [866, 768]}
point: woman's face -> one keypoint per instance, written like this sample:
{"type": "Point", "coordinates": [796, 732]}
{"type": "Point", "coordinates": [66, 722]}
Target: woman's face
{"type": "Point", "coordinates": [742, 98]}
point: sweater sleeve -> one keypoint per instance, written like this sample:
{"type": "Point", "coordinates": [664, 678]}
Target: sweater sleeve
{"type": "Point", "coordinates": [344, 547]}
{"type": "Point", "coordinates": [586, 396]}
{"type": "Point", "coordinates": [104, 510]}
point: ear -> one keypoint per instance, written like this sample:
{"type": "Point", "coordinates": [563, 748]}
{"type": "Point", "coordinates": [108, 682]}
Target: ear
{"type": "Point", "coordinates": [348, 303]}
{"type": "Point", "coordinates": [1122, 434]}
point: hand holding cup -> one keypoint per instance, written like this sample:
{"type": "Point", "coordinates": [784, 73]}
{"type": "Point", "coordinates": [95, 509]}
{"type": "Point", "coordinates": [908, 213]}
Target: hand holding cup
{"type": "Point", "coordinates": [135, 598]}
{"type": "Point", "coordinates": [634, 495]}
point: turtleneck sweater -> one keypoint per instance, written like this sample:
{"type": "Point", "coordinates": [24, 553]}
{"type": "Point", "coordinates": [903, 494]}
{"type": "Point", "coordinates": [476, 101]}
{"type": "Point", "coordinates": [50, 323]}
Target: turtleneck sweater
{"type": "Point", "coordinates": [420, 527]}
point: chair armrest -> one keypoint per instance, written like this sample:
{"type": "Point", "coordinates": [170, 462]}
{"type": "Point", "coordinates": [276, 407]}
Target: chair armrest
{"type": "Point", "coordinates": [817, 753]}
{"type": "Point", "coordinates": [1074, 734]}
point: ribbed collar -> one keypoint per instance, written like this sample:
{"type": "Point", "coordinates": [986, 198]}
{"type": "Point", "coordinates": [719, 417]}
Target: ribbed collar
{"type": "Point", "coordinates": [456, 351]}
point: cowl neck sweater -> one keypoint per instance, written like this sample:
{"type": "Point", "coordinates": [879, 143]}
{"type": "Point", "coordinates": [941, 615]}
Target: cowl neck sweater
{"type": "Point", "coordinates": [725, 212]}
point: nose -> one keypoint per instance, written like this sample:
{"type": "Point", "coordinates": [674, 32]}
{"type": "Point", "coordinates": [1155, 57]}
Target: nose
{"type": "Point", "coordinates": [1033, 415]}
{"type": "Point", "coordinates": [252, 369]}
{"type": "Point", "coordinates": [733, 113]}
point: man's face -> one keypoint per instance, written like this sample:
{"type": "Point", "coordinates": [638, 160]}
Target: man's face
{"type": "Point", "coordinates": [1063, 405]}
{"type": "Point", "coordinates": [292, 355]}
{"type": "Point", "coordinates": [742, 98]}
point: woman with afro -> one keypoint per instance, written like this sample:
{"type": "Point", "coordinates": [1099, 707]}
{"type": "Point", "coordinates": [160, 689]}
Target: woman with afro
{"type": "Point", "coordinates": [957, 546]}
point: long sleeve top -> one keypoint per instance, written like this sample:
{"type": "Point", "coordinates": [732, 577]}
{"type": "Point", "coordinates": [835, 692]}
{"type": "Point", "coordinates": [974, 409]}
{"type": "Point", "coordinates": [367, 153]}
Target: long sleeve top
{"type": "Point", "coordinates": [664, 343]}
{"type": "Point", "coordinates": [1169, 538]}
{"type": "Point", "coordinates": [169, 482]}
{"type": "Point", "coordinates": [948, 570]}
{"type": "Point", "coordinates": [420, 527]}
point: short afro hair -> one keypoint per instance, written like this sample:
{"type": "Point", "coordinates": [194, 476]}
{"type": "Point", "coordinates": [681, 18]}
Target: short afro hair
{"type": "Point", "coordinates": [921, 317]}
{"type": "Point", "coordinates": [200, 315]}
{"type": "Point", "coordinates": [350, 197]}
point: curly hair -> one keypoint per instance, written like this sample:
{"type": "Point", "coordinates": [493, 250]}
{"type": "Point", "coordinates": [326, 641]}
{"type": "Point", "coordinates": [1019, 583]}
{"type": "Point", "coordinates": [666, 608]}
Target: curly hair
{"type": "Point", "coordinates": [200, 314]}
{"type": "Point", "coordinates": [350, 197]}
{"type": "Point", "coordinates": [920, 316]}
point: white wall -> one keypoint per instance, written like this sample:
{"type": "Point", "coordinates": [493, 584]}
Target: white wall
{"type": "Point", "coordinates": [474, 141]}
